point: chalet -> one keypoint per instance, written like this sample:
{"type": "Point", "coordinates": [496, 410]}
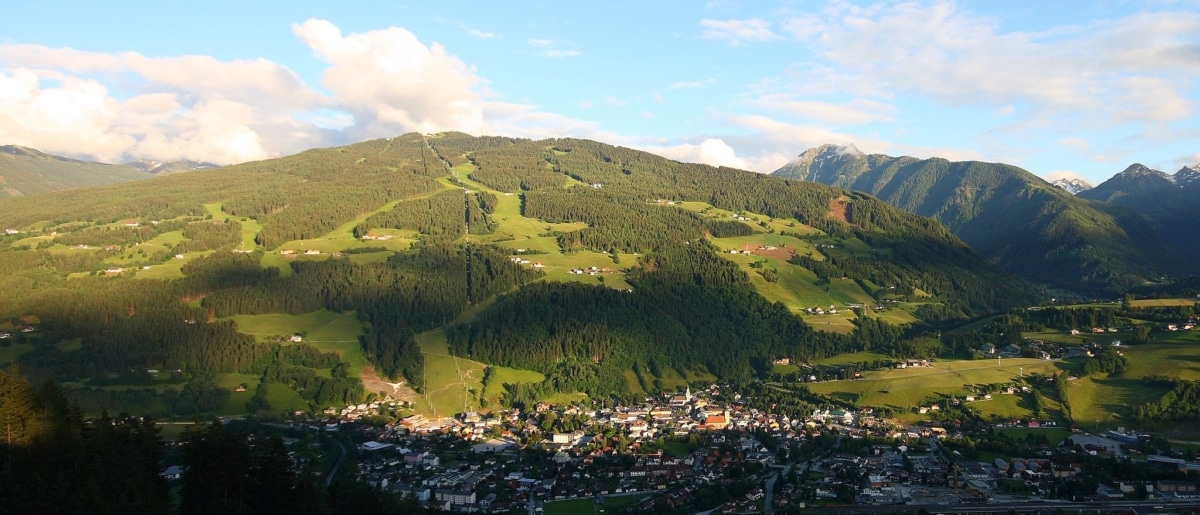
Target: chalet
{"type": "Point", "coordinates": [296, 338]}
{"type": "Point", "coordinates": [312, 252]}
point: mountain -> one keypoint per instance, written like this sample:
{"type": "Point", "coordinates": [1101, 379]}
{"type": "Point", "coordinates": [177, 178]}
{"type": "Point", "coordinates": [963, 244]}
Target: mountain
{"type": "Point", "coordinates": [1072, 186]}
{"type": "Point", "coordinates": [1009, 216]}
{"type": "Point", "coordinates": [1188, 179]}
{"type": "Point", "coordinates": [594, 268]}
{"type": "Point", "coordinates": [25, 171]}
{"type": "Point", "coordinates": [166, 168]}
{"type": "Point", "coordinates": [1169, 203]}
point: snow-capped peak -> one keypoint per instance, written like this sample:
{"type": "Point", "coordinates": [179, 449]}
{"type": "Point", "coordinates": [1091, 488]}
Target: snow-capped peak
{"type": "Point", "coordinates": [1187, 176]}
{"type": "Point", "coordinates": [1072, 185]}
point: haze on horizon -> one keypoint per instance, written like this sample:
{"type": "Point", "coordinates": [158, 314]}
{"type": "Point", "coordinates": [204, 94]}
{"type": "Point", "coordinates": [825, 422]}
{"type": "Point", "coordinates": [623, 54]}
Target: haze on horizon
{"type": "Point", "coordinates": [1080, 89]}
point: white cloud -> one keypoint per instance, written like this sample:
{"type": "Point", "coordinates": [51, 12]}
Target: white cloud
{"type": "Point", "coordinates": [391, 82]}
{"type": "Point", "coordinates": [560, 54]}
{"type": "Point", "coordinates": [711, 151]}
{"type": "Point", "coordinates": [695, 84]}
{"type": "Point", "coordinates": [1077, 144]}
{"type": "Point", "coordinates": [380, 83]}
{"type": "Point", "coordinates": [772, 143]}
{"type": "Point", "coordinates": [586, 104]}
{"type": "Point", "coordinates": [73, 118]}
{"type": "Point", "coordinates": [1114, 71]}
{"type": "Point", "coordinates": [1189, 161]}
{"type": "Point", "coordinates": [1055, 175]}
{"type": "Point", "coordinates": [854, 112]}
{"type": "Point", "coordinates": [552, 49]}
{"type": "Point", "coordinates": [738, 32]}
{"type": "Point", "coordinates": [188, 107]}
{"type": "Point", "coordinates": [614, 101]}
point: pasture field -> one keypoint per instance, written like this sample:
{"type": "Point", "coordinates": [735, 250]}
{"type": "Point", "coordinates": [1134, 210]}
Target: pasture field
{"type": "Point", "coordinates": [1144, 303]}
{"type": "Point", "coordinates": [452, 384]}
{"type": "Point", "coordinates": [325, 330]}
{"type": "Point", "coordinates": [612, 504]}
{"type": "Point", "coordinates": [1107, 400]}
{"type": "Point", "coordinates": [250, 226]}
{"type": "Point", "coordinates": [171, 269]}
{"type": "Point", "coordinates": [10, 353]}
{"type": "Point", "coordinates": [499, 376]}
{"type": "Point", "coordinates": [903, 389]}
{"type": "Point", "coordinates": [1054, 435]}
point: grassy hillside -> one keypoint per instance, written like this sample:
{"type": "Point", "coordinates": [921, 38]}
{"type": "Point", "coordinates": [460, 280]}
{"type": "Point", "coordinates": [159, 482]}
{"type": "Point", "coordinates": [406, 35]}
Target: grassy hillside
{"type": "Point", "coordinates": [25, 171]}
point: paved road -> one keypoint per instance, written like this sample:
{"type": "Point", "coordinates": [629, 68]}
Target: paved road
{"type": "Point", "coordinates": [329, 478]}
{"type": "Point", "coordinates": [769, 506]}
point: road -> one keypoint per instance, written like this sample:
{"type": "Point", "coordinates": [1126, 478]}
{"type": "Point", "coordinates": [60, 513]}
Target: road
{"type": "Point", "coordinates": [1007, 507]}
{"type": "Point", "coordinates": [338, 463]}
{"type": "Point", "coordinates": [769, 505]}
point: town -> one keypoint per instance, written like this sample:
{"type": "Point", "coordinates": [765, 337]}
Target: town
{"type": "Point", "coordinates": [722, 450]}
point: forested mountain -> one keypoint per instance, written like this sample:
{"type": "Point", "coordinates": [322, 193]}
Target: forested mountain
{"type": "Point", "coordinates": [25, 171]}
{"type": "Point", "coordinates": [1169, 203]}
{"type": "Point", "coordinates": [1009, 216]}
{"type": "Point", "coordinates": [133, 295]}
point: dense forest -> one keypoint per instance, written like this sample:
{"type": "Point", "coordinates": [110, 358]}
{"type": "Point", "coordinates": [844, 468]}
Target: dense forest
{"type": "Point", "coordinates": [690, 310]}
{"type": "Point", "coordinates": [54, 459]}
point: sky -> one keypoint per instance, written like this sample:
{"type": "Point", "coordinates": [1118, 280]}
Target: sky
{"type": "Point", "coordinates": [1066, 89]}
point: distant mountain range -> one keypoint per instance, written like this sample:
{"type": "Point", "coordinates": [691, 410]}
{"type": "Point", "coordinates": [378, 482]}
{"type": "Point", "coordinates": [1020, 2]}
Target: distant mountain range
{"type": "Point", "coordinates": [170, 167]}
{"type": "Point", "coordinates": [1109, 238]}
{"type": "Point", "coordinates": [26, 171]}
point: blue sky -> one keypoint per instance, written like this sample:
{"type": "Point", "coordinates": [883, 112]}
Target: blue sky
{"type": "Point", "coordinates": [1075, 88]}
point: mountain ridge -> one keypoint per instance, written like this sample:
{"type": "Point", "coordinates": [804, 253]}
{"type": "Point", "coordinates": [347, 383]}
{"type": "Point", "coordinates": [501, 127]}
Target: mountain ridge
{"type": "Point", "coordinates": [1010, 216]}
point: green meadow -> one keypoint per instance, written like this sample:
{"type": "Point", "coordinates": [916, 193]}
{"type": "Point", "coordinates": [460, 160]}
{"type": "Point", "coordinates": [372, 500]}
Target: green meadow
{"type": "Point", "coordinates": [325, 330]}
